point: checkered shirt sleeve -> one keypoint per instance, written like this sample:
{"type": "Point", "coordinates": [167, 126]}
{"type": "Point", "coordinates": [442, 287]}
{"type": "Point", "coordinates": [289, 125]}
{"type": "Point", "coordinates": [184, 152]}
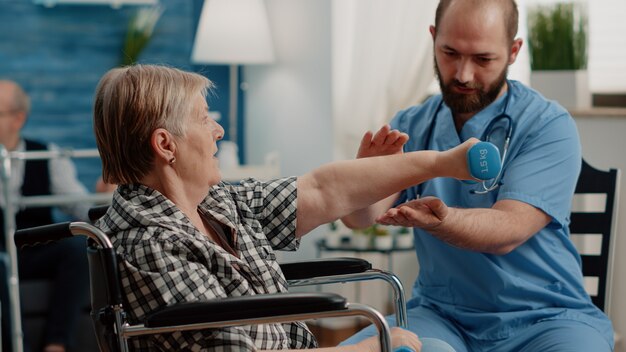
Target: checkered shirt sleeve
{"type": "Point", "coordinates": [273, 206]}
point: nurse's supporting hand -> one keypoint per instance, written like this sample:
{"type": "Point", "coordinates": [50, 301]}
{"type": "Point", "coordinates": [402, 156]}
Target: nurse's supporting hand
{"type": "Point", "coordinates": [426, 213]}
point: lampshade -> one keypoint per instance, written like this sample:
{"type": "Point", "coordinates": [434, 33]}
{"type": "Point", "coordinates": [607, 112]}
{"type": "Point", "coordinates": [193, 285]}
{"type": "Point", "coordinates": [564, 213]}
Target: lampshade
{"type": "Point", "coordinates": [233, 32]}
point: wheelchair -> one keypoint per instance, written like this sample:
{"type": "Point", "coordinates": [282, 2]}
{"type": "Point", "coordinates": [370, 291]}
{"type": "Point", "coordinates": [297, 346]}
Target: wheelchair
{"type": "Point", "coordinates": [113, 330]}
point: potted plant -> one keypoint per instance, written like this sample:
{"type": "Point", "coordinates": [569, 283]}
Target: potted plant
{"type": "Point", "coordinates": [337, 236]}
{"type": "Point", "coordinates": [361, 239]}
{"type": "Point", "coordinates": [382, 237]}
{"type": "Point", "coordinates": [404, 238]}
{"type": "Point", "coordinates": [557, 41]}
{"type": "Point", "coordinates": [375, 236]}
{"type": "Point", "coordinates": [139, 32]}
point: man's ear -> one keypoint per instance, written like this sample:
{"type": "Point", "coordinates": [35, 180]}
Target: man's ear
{"type": "Point", "coordinates": [515, 50]}
{"type": "Point", "coordinates": [19, 121]}
{"type": "Point", "coordinates": [163, 144]}
{"type": "Point", "coordinates": [433, 32]}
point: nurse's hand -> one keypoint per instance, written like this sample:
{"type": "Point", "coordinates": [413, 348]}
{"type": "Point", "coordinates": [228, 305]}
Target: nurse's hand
{"type": "Point", "coordinates": [426, 213]}
{"type": "Point", "coordinates": [399, 337]}
{"type": "Point", "coordinates": [385, 142]}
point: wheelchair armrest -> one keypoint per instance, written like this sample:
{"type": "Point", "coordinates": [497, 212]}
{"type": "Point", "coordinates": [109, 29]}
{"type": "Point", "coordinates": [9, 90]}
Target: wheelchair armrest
{"type": "Point", "coordinates": [245, 307]}
{"type": "Point", "coordinates": [39, 235]}
{"type": "Point", "coordinates": [324, 267]}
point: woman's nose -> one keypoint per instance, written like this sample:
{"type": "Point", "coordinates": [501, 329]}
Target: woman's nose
{"type": "Point", "coordinates": [219, 132]}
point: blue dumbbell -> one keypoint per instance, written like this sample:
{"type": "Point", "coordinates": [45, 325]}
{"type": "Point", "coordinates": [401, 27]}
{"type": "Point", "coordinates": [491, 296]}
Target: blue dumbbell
{"type": "Point", "coordinates": [483, 160]}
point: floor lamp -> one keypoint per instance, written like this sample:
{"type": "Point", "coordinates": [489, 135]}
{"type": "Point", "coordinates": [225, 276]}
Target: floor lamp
{"type": "Point", "coordinates": [233, 32]}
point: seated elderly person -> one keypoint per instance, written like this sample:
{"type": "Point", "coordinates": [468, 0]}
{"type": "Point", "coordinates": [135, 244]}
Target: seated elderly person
{"type": "Point", "coordinates": [186, 236]}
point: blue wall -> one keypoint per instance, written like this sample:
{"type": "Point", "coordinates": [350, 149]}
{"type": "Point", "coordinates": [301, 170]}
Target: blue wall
{"type": "Point", "coordinates": [58, 55]}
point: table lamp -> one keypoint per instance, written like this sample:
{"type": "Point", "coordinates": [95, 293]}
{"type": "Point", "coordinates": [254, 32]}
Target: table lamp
{"type": "Point", "coordinates": [233, 32]}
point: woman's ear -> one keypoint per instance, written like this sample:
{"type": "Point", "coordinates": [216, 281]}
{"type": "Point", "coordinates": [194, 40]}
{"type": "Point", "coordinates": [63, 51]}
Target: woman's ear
{"type": "Point", "coordinates": [164, 145]}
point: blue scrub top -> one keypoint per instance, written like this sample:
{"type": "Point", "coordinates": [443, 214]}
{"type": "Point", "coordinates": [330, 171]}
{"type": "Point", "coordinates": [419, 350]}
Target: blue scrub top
{"type": "Point", "coordinates": [490, 296]}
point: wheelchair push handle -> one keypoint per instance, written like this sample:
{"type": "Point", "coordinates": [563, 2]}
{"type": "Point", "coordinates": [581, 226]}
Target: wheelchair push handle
{"type": "Point", "coordinates": [42, 234]}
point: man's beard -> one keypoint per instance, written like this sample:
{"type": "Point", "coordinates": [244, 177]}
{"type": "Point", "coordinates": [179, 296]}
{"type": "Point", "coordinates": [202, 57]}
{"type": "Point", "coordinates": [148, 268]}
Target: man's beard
{"type": "Point", "coordinates": [469, 103]}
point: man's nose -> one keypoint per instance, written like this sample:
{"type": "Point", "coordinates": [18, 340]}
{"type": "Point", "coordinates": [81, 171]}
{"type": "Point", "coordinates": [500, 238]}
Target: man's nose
{"type": "Point", "coordinates": [464, 70]}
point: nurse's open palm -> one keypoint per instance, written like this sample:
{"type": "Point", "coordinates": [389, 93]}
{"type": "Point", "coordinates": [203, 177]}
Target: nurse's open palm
{"type": "Point", "coordinates": [384, 142]}
{"type": "Point", "coordinates": [426, 213]}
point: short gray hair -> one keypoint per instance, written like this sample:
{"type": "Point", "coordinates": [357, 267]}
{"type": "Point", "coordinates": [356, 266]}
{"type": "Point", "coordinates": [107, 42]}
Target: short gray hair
{"type": "Point", "coordinates": [130, 103]}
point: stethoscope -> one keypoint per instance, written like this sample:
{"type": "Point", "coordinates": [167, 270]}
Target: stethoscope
{"type": "Point", "coordinates": [486, 186]}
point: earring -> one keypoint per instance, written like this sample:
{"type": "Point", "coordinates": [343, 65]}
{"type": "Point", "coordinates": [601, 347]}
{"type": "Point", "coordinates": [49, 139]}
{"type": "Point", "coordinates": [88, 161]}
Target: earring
{"type": "Point", "coordinates": [172, 160]}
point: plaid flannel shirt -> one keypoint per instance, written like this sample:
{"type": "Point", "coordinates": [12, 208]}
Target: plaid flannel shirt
{"type": "Point", "coordinates": [167, 260]}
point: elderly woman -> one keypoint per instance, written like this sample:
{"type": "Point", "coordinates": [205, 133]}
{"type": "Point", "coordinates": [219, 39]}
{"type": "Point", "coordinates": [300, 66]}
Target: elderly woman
{"type": "Point", "coordinates": [185, 236]}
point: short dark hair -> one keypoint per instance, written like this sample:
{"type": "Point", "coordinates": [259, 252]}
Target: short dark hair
{"type": "Point", "coordinates": [511, 14]}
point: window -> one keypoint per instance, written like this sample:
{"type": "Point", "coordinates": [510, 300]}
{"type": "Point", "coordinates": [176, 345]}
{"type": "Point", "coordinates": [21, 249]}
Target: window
{"type": "Point", "coordinates": [607, 46]}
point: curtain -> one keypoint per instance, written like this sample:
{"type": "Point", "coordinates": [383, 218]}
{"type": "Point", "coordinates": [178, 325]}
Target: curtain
{"type": "Point", "coordinates": [381, 62]}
